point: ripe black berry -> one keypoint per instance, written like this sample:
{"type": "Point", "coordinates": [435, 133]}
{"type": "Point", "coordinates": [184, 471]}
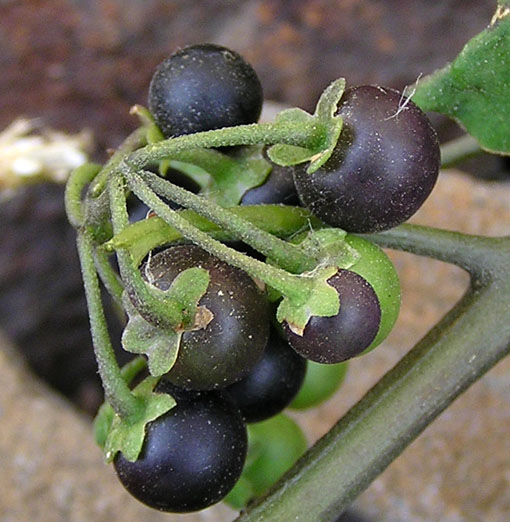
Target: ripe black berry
{"type": "Point", "coordinates": [192, 456]}
{"type": "Point", "coordinates": [278, 188]}
{"type": "Point", "coordinates": [204, 87]}
{"type": "Point", "coordinates": [271, 384]}
{"type": "Point", "coordinates": [234, 340]}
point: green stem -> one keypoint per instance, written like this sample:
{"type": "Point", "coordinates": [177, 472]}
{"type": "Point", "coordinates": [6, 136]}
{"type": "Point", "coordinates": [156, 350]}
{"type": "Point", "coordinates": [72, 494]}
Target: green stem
{"type": "Point", "coordinates": [131, 369]}
{"type": "Point", "coordinates": [461, 348]}
{"type": "Point", "coordinates": [467, 251]}
{"type": "Point", "coordinates": [117, 392]}
{"type": "Point", "coordinates": [458, 150]}
{"type": "Point", "coordinates": [293, 286]}
{"type": "Point", "coordinates": [97, 208]}
{"type": "Point", "coordinates": [300, 134]}
{"type": "Point", "coordinates": [135, 140]}
{"type": "Point", "coordinates": [77, 181]}
{"type": "Point", "coordinates": [109, 277]}
{"type": "Point", "coordinates": [155, 309]}
{"type": "Point", "coordinates": [288, 256]}
{"type": "Point", "coordinates": [145, 235]}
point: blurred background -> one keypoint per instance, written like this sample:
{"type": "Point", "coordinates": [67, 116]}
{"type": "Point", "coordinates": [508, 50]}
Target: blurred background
{"type": "Point", "coordinates": [78, 65]}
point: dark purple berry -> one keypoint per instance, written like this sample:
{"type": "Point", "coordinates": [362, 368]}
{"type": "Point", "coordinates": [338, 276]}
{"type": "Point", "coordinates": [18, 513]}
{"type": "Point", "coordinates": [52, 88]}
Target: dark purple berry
{"type": "Point", "coordinates": [384, 166]}
{"type": "Point", "coordinates": [335, 339]}
{"type": "Point", "coordinates": [278, 188]}
{"type": "Point", "coordinates": [192, 456]}
{"type": "Point", "coordinates": [234, 340]}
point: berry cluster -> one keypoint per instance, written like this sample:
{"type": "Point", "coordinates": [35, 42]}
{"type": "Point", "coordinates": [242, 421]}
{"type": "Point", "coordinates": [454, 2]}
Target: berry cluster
{"type": "Point", "coordinates": [236, 361]}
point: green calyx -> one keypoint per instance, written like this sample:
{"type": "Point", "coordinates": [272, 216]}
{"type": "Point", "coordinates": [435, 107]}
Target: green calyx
{"type": "Point", "coordinates": [335, 248]}
{"type": "Point", "coordinates": [113, 433]}
{"type": "Point", "coordinates": [324, 117]}
{"type": "Point", "coordinates": [127, 434]}
{"type": "Point", "coordinates": [161, 345]}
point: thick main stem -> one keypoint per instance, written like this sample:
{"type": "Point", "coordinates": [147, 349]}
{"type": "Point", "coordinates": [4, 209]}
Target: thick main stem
{"type": "Point", "coordinates": [463, 346]}
{"type": "Point", "coordinates": [473, 253]}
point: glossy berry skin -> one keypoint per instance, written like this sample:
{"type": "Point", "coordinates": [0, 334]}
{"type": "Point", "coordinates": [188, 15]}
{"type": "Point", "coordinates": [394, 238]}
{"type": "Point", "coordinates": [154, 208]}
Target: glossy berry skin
{"type": "Point", "coordinates": [204, 87]}
{"type": "Point", "coordinates": [234, 340]}
{"type": "Point", "coordinates": [384, 166]}
{"type": "Point", "coordinates": [278, 188]}
{"type": "Point", "coordinates": [271, 384]}
{"type": "Point", "coordinates": [192, 456]}
{"type": "Point", "coordinates": [335, 339]}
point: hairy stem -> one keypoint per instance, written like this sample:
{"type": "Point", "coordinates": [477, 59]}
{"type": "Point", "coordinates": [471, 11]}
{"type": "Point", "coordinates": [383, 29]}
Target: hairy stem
{"type": "Point", "coordinates": [117, 392]}
{"type": "Point", "coordinates": [77, 181]}
{"type": "Point", "coordinates": [288, 256]}
{"type": "Point", "coordinates": [158, 311]}
{"type": "Point", "coordinates": [109, 277]}
{"type": "Point", "coordinates": [290, 285]}
{"type": "Point", "coordinates": [300, 134]}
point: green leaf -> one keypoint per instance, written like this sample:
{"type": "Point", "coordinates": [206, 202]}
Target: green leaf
{"type": "Point", "coordinates": [475, 88]}
{"type": "Point", "coordinates": [127, 435]}
{"type": "Point", "coordinates": [323, 301]}
{"type": "Point", "coordinates": [194, 172]}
